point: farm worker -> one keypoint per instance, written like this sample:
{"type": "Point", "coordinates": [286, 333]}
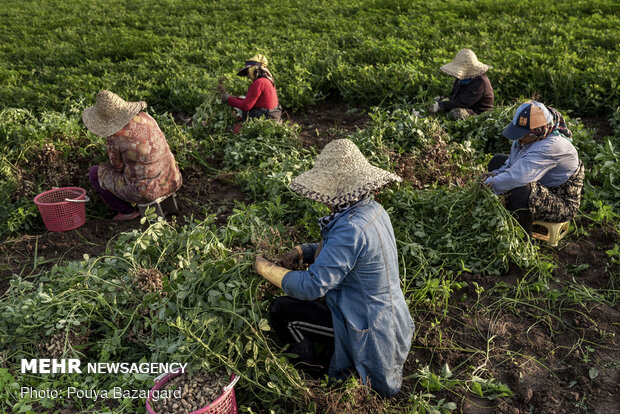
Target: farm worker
{"type": "Point", "coordinates": [261, 100]}
{"type": "Point", "coordinates": [471, 93]}
{"type": "Point", "coordinates": [542, 177]}
{"type": "Point", "coordinates": [141, 168]}
{"type": "Point", "coordinates": [364, 317]}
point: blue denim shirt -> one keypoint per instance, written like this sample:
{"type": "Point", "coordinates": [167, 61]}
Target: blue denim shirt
{"type": "Point", "coordinates": [550, 161]}
{"type": "Point", "coordinates": [357, 272]}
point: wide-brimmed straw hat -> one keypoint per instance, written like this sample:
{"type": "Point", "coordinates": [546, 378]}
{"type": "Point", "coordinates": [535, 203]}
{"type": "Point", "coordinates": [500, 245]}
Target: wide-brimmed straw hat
{"type": "Point", "coordinates": [465, 65]}
{"type": "Point", "coordinates": [110, 114]}
{"type": "Point", "coordinates": [341, 175]}
{"type": "Point", "coordinates": [255, 60]}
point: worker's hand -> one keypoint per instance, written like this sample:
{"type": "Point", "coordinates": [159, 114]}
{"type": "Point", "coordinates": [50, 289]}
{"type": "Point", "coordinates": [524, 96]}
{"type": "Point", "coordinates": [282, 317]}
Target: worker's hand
{"type": "Point", "coordinates": [486, 175]}
{"type": "Point", "coordinates": [483, 177]}
{"type": "Point", "coordinates": [224, 96]}
{"type": "Point", "coordinates": [433, 108]}
{"type": "Point", "coordinates": [292, 258]}
{"type": "Point", "coordinates": [260, 263]}
{"type": "Point", "coordinates": [270, 271]}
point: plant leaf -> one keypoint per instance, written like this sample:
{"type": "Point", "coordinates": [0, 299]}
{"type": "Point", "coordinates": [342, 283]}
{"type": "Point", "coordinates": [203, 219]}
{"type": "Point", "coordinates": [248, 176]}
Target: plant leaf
{"type": "Point", "coordinates": [593, 373]}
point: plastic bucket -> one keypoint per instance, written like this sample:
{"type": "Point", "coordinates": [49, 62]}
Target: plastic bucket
{"type": "Point", "coordinates": [63, 208]}
{"type": "Point", "coordinates": [224, 404]}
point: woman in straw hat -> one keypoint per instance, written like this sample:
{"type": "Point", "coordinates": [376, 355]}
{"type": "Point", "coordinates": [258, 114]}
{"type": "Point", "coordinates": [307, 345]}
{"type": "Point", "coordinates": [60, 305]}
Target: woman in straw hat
{"type": "Point", "coordinates": [364, 319]}
{"type": "Point", "coordinates": [472, 93]}
{"type": "Point", "coordinates": [141, 168]}
{"type": "Point", "coordinates": [261, 100]}
{"type": "Point", "coordinates": [542, 177]}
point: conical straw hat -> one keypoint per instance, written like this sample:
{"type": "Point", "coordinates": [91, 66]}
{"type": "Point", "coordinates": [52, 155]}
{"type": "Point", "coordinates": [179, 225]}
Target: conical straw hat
{"type": "Point", "coordinates": [465, 65]}
{"type": "Point", "coordinates": [110, 114]}
{"type": "Point", "coordinates": [341, 175]}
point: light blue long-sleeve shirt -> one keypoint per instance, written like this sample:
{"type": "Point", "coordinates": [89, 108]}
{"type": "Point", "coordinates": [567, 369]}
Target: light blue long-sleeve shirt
{"type": "Point", "coordinates": [551, 162]}
{"type": "Point", "coordinates": [357, 271]}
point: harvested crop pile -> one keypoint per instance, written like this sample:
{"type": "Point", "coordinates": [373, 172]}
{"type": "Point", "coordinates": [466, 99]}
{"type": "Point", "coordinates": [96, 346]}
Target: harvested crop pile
{"type": "Point", "coordinates": [467, 229]}
{"type": "Point", "coordinates": [289, 263]}
{"type": "Point", "coordinates": [355, 399]}
{"type": "Point", "coordinates": [197, 391]}
{"type": "Point", "coordinates": [50, 164]}
{"type": "Point", "coordinates": [60, 342]}
{"type": "Point", "coordinates": [430, 165]}
{"type": "Point", "coordinates": [148, 280]}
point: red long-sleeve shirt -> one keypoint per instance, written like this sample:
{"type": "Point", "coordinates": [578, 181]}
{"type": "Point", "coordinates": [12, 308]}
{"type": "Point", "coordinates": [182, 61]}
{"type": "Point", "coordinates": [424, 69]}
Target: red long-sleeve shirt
{"type": "Point", "coordinates": [261, 94]}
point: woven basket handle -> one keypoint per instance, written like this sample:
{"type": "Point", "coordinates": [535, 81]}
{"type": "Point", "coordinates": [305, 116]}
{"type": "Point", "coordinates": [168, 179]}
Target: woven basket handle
{"type": "Point", "coordinates": [163, 375]}
{"type": "Point", "coordinates": [232, 383]}
{"type": "Point", "coordinates": [86, 199]}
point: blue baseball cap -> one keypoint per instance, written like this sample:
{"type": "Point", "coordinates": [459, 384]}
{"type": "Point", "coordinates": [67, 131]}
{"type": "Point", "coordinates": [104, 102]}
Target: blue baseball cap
{"type": "Point", "coordinates": [530, 115]}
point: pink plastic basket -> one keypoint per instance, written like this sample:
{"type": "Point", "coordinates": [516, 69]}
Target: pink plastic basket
{"type": "Point", "coordinates": [63, 208]}
{"type": "Point", "coordinates": [224, 404]}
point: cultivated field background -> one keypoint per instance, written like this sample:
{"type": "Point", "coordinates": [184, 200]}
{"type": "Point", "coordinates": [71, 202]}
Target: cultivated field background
{"type": "Point", "coordinates": [503, 325]}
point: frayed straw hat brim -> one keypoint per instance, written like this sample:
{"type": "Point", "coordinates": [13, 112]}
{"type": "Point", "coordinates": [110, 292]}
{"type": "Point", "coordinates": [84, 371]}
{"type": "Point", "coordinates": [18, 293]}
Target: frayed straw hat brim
{"type": "Point", "coordinates": [341, 175]}
{"type": "Point", "coordinates": [110, 114]}
{"type": "Point", "coordinates": [465, 72]}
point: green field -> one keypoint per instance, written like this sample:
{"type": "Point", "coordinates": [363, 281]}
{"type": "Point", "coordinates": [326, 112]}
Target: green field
{"type": "Point", "coordinates": [503, 325]}
{"type": "Point", "coordinates": [55, 54]}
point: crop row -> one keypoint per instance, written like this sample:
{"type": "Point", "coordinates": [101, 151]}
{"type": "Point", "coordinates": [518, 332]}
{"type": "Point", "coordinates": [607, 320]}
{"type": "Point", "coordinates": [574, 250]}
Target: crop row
{"type": "Point", "coordinates": [365, 51]}
{"type": "Point", "coordinates": [187, 293]}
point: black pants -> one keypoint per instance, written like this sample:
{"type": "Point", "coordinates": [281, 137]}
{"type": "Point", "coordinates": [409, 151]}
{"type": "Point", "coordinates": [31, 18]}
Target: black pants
{"type": "Point", "coordinates": [517, 199]}
{"type": "Point", "coordinates": [307, 326]}
{"type": "Point", "coordinates": [275, 114]}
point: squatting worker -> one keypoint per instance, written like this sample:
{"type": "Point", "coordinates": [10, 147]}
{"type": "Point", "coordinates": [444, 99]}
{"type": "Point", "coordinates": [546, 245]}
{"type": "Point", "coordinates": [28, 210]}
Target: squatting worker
{"type": "Point", "coordinates": [364, 317]}
{"type": "Point", "coordinates": [261, 99]}
{"type": "Point", "coordinates": [141, 168]}
{"type": "Point", "coordinates": [472, 92]}
{"type": "Point", "coordinates": [542, 177]}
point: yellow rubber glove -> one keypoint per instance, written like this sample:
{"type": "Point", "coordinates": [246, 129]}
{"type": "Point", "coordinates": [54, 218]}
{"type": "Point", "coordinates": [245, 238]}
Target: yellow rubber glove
{"type": "Point", "coordinates": [270, 271]}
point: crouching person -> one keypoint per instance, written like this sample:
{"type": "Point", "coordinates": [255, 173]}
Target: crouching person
{"type": "Point", "coordinates": [261, 100]}
{"type": "Point", "coordinates": [542, 177]}
{"type": "Point", "coordinates": [364, 317]}
{"type": "Point", "coordinates": [472, 92]}
{"type": "Point", "coordinates": [142, 168]}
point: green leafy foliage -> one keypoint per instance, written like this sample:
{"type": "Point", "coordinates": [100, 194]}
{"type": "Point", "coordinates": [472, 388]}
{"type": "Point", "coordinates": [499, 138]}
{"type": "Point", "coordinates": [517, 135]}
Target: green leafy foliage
{"type": "Point", "coordinates": [39, 152]}
{"type": "Point", "coordinates": [207, 311]}
{"type": "Point", "coordinates": [170, 54]}
{"type": "Point", "coordinates": [605, 174]}
{"type": "Point", "coordinates": [483, 132]}
{"type": "Point", "coordinates": [467, 230]}
{"type": "Point", "coordinates": [212, 116]}
{"type": "Point", "coordinates": [209, 308]}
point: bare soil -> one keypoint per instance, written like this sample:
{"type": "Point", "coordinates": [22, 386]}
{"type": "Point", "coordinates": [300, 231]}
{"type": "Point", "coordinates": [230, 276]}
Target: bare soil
{"type": "Point", "coordinates": [600, 124]}
{"type": "Point", "coordinates": [327, 121]}
{"type": "Point", "coordinates": [543, 350]}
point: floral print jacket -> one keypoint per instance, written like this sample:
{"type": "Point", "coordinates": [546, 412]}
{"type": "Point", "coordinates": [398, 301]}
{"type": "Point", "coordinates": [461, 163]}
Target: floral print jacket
{"type": "Point", "coordinates": [142, 167]}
